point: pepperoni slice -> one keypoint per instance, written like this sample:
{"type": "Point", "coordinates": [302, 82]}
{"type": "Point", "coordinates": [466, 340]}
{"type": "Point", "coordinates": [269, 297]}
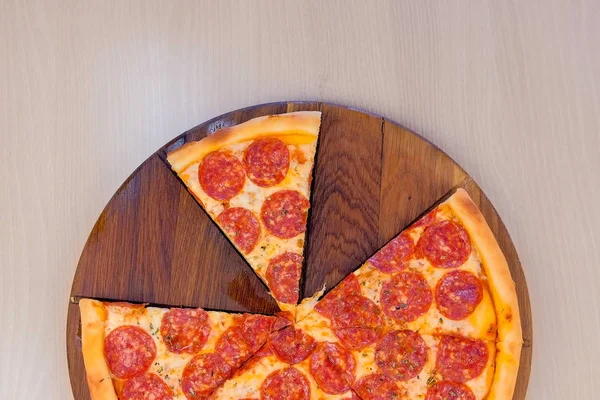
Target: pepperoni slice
{"type": "Point", "coordinates": [448, 390]}
{"type": "Point", "coordinates": [336, 297]}
{"type": "Point", "coordinates": [267, 161]}
{"type": "Point", "coordinates": [221, 175]}
{"type": "Point", "coordinates": [406, 296]}
{"type": "Point", "coordinates": [393, 257]}
{"type": "Point", "coordinates": [283, 277]}
{"type": "Point", "coordinates": [244, 338]}
{"type": "Point", "coordinates": [284, 213]}
{"type": "Point", "coordinates": [185, 330]}
{"type": "Point", "coordinates": [257, 329]}
{"type": "Point", "coordinates": [232, 346]}
{"type": "Point", "coordinates": [401, 354]}
{"type": "Point", "coordinates": [457, 294]}
{"type": "Point", "coordinates": [288, 384]}
{"type": "Point", "coordinates": [445, 244]}
{"type": "Point", "coordinates": [241, 226]}
{"type": "Point", "coordinates": [426, 220]}
{"type": "Point", "coordinates": [203, 374]}
{"type": "Point", "coordinates": [357, 322]}
{"type": "Point", "coordinates": [377, 387]}
{"type": "Point", "coordinates": [292, 345]}
{"type": "Point", "coordinates": [333, 367]}
{"type": "Point", "coordinates": [461, 359]}
{"type": "Point", "coordinates": [129, 351]}
{"type": "Point", "coordinates": [146, 387]}
{"type": "Point", "coordinates": [282, 319]}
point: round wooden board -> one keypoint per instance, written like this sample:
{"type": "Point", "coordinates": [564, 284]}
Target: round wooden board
{"type": "Point", "coordinates": [154, 244]}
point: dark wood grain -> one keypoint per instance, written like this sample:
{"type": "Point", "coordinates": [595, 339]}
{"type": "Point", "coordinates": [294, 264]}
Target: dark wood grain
{"type": "Point", "coordinates": [154, 244]}
{"type": "Point", "coordinates": [344, 217]}
{"type": "Point", "coordinates": [405, 192]}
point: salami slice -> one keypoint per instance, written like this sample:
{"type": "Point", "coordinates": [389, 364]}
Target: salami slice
{"type": "Point", "coordinates": [445, 244]}
{"type": "Point", "coordinates": [426, 220]}
{"type": "Point", "coordinates": [333, 367]}
{"type": "Point", "coordinates": [377, 387]}
{"type": "Point", "coordinates": [284, 213]}
{"type": "Point", "coordinates": [283, 276]}
{"type": "Point", "coordinates": [185, 330]}
{"type": "Point", "coordinates": [393, 257]}
{"type": "Point", "coordinates": [203, 374]}
{"type": "Point", "coordinates": [146, 387]}
{"type": "Point", "coordinates": [358, 322]}
{"type": "Point", "coordinates": [257, 329]}
{"type": "Point", "coordinates": [461, 359]}
{"type": "Point", "coordinates": [129, 351]}
{"type": "Point", "coordinates": [221, 175]}
{"type": "Point", "coordinates": [288, 384]}
{"type": "Point", "coordinates": [457, 294]}
{"type": "Point", "coordinates": [448, 390]}
{"type": "Point", "coordinates": [406, 296]}
{"type": "Point", "coordinates": [244, 338]}
{"type": "Point", "coordinates": [241, 226]}
{"type": "Point", "coordinates": [232, 346]}
{"type": "Point", "coordinates": [292, 345]}
{"type": "Point", "coordinates": [336, 297]}
{"type": "Point", "coordinates": [267, 161]}
{"type": "Point", "coordinates": [401, 354]}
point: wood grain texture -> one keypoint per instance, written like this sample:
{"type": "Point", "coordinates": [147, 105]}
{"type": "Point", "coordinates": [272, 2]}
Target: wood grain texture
{"type": "Point", "coordinates": [153, 243]}
{"type": "Point", "coordinates": [509, 89]}
{"type": "Point", "coordinates": [344, 216]}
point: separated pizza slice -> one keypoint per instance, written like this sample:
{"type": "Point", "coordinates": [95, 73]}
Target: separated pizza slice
{"type": "Point", "coordinates": [443, 275]}
{"type": "Point", "coordinates": [254, 179]}
{"type": "Point", "coordinates": [131, 351]}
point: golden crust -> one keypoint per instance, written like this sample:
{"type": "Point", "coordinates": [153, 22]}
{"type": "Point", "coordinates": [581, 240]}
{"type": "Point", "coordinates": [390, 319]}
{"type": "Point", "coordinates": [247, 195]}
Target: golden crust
{"type": "Point", "coordinates": [502, 287]}
{"type": "Point", "coordinates": [93, 320]}
{"type": "Point", "coordinates": [507, 369]}
{"type": "Point", "coordinates": [297, 127]}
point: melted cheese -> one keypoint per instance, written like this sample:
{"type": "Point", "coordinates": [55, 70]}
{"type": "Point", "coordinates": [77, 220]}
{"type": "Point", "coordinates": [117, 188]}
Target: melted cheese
{"type": "Point", "coordinates": [247, 382]}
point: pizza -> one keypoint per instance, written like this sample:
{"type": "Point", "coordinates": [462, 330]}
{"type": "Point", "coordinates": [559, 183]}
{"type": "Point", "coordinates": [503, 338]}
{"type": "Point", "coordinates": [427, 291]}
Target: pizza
{"type": "Point", "coordinates": [435, 310]}
{"type": "Point", "coordinates": [253, 180]}
{"type": "Point", "coordinates": [433, 315]}
{"type": "Point", "coordinates": [176, 353]}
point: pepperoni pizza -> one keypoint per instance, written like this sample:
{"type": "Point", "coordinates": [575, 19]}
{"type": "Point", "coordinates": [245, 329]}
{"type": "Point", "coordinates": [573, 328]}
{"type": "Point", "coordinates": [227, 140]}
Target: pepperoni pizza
{"type": "Point", "coordinates": [253, 179]}
{"type": "Point", "coordinates": [433, 315]}
{"type": "Point", "coordinates": [434, 312]}
{"type": "Point", "coordinates": [175, 353]}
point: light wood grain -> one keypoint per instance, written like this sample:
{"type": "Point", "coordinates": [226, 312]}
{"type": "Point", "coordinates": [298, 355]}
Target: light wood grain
{"type": "Point", "coordinates": [509, 89]}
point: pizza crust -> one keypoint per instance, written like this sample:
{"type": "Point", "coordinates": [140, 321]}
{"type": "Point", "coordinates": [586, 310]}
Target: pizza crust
{"type": "Point", "coordinates": [507, 369]}
{"type": "Point", "coordinates": [93, 321]}
{"type": "Point", "coordinates": [292, 128]}
{"type": "Point", "coordinates": [502, 287]}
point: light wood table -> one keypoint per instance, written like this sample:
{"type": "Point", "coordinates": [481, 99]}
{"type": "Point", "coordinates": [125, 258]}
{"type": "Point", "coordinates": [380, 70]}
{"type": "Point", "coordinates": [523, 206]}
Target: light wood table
{"type": "Point", "coordinates": [510, 89]}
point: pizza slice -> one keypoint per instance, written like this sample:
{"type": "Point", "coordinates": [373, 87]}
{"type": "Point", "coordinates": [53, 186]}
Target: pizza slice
{"type": "Point", "coordinates": [253, 180]}
{"type": "Point", "coordinates": [130, 350]}
{"type": "Point", "coordinates": [444, 276]}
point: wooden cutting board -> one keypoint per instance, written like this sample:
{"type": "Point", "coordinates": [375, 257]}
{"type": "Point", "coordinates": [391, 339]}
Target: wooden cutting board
{"type": "Point", "coordinates": [154, 244]}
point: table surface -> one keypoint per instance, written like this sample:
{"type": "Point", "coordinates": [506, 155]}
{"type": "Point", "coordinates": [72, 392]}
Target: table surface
{"type": "Point", "coordinates": [509, 89]}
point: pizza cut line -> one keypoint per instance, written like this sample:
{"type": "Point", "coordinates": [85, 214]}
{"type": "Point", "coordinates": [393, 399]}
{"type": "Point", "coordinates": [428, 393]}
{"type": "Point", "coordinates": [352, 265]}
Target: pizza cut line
{"type": "Point", "coordinates": [433, 315]}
